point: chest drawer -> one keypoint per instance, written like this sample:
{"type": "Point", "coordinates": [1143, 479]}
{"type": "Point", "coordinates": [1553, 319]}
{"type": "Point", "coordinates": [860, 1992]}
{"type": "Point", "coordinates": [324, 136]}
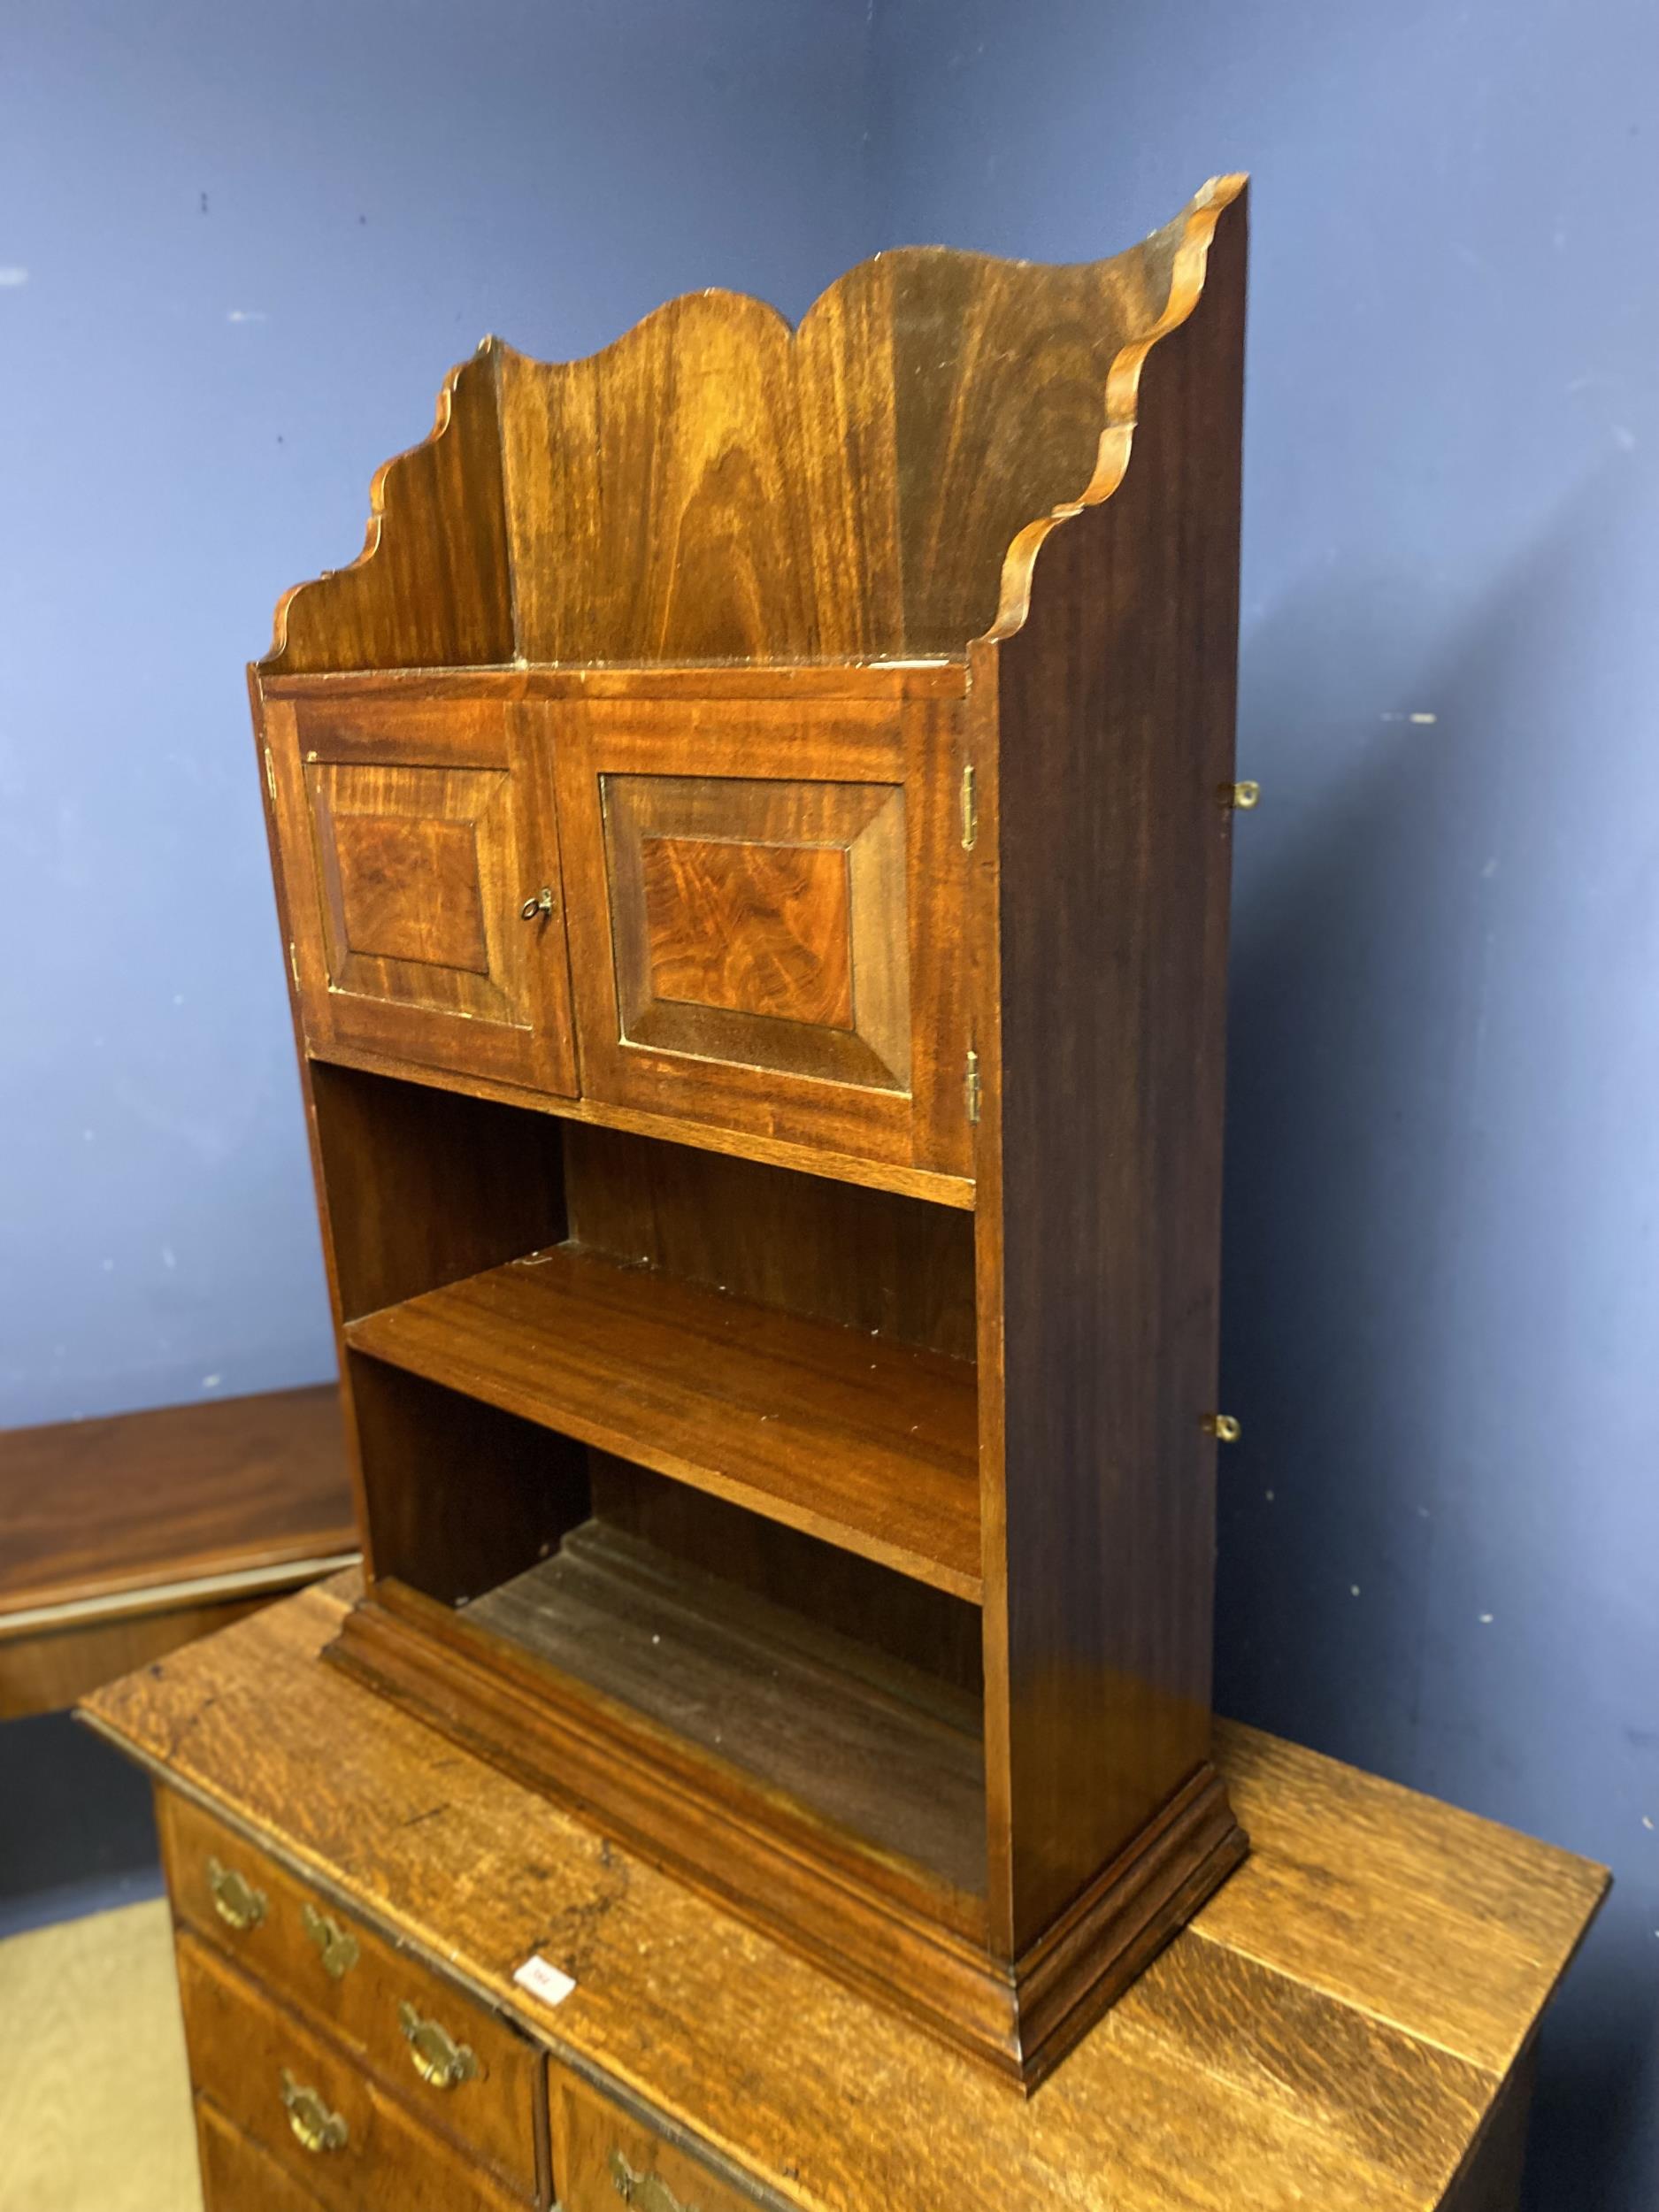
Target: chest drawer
{"type": "Point", "coordinates": [460, 2068]}
{"type": "Point", "coordinates": [235, 2177]}
{"type": "Point", "coordinates": [602, 2159]}
{"type": "Point", "coordinates": [325, 2123]}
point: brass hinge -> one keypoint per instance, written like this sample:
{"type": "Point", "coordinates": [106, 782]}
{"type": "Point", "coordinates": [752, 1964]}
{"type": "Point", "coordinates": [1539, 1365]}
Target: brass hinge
{"type": "Point", "coordinates": [971, 1084]}
{"type": "Point", "coordinates": [970, 810]}
{"type": "Point", "coordinates": [270, 775]}
{"type": "Point", "coordinates": [293, 964]}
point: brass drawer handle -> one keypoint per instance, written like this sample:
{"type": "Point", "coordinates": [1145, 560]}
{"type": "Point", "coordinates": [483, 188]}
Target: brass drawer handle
{"type": "Point", "coordinates": [337, 1945]}
{"type": "Point", "coordinates": [435, 2056]}
{"type": "Point", "coordinates": [312, 2121]}
{"type": "Point", "coordinates": [649, 2192]}
{"type": "Point", "coordinates": [235, 1900]}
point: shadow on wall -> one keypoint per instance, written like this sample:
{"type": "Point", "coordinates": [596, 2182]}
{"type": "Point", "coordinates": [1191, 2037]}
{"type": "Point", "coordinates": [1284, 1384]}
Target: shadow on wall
{"type": "Point", "coordinates": [1437, 1537]}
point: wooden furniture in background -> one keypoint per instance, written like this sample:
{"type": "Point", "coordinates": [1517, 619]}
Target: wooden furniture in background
{"type": "Point", "coordinates": [123, 1538]}
{"type": "Point", "coordinates": [753, 836]}
{"type": "Point", "coordinates": [1348, 2023]}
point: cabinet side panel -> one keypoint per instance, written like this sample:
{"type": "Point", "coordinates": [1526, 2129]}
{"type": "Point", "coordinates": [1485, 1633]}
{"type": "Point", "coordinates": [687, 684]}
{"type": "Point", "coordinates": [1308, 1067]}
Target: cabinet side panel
{"type": "Point", "coordinates": [1116, 702]}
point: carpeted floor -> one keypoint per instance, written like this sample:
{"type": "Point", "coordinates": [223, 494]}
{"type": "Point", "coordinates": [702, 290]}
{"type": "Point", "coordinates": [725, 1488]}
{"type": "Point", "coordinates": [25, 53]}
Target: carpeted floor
{"type": "Point", "coordinates": [94, 2097]}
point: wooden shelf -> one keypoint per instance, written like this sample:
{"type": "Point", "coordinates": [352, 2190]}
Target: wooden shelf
{"type": "Point", "coordinates": [884, 1752]}
{"type": "Point", "coordinates": [867, 1443]}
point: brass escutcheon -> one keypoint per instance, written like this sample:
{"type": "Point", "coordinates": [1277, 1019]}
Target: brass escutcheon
{"type": "Point", "coordinates": [235, 1900]}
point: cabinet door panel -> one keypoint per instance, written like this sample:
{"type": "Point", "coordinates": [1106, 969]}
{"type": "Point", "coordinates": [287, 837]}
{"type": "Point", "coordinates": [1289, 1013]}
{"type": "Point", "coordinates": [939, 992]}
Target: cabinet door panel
{"type": "Point", "coordinates": [413, 832]}
{"type": "Point", "coordinates": [766, 917]}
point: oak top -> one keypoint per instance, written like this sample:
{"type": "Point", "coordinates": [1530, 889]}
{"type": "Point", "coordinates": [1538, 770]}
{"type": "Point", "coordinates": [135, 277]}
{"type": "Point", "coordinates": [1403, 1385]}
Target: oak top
{"type": "Point", "coordinates": [1332, 2029]}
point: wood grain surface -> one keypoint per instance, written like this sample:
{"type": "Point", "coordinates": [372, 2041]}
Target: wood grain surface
{"type": "Point", "coordinates": [432, 588]}
{"type": "Point", "coordinates": [243, 2049]}
{"type": "Point", "coordinates": [495, 2114]}
{"type": "Point", "coordinates": [1276, 2054]}
{"type": "Point", "coordinates": [871, 1259]}
{"type": "Point", "coordinates": [717, 486]}
{"type": "Point", "coordinates": [1099, 1157]}
{"type": "Point", "coordinates": [716, 991]}
{"type": "Point", "coordinates": [884, 1750]}
{"type": "Point", "coordinates": [807, 1158]}
{"type": "Point", "coordinates": [237, 2173]}
{"type": "Point", "coordinates": [126, 1537]}
{"type": "Point", "coordinates": [95, 1508]}
{"type": "Point", "coordinates": [849, 1436]}
{"type": "Point", "coordinates": [45, 1669]}
{"type": "Point", "coordinates": [410, 834]}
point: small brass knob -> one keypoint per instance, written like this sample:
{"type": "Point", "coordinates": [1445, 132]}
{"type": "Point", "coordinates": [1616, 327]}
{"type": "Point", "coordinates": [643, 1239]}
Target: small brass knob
{"type": "Point", "coordinates": [314, 2126]}
{"type": "Point", "coordinates": [1240, 796]}
{"type": "Point", "coordinates": [436, 2057]}
{"type": "Point", "coordinates": [235, 1900]}
{"type": "Point", "coordinates": [540, 906]}
{"type": "Point", "coordinates": [1222, 1427]}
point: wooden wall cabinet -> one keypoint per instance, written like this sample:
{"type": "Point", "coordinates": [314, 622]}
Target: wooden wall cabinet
{"type": "Point", "coordinates": [753, 836]}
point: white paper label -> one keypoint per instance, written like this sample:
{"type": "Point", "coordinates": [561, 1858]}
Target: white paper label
{"type": "Point", "coordinates": [543, 1980]}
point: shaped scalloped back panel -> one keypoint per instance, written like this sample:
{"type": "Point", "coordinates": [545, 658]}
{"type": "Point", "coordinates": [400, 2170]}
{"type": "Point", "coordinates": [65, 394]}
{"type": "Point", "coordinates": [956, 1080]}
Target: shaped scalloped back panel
{"type": "Point", "coordinates": [716, 486]}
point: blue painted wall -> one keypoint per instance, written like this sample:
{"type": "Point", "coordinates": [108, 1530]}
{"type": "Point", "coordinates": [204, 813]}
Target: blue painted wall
{"type": "Point", "coordinates": [239, 245]}
{"type": "Point", "coordinates": [1440, 1536]}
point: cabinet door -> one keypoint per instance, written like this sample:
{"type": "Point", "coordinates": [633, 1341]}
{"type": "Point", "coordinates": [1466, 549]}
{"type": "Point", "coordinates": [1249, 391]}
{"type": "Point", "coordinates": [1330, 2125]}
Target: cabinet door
{"type": "Point", "coordinates": [413, 835]}
{"type": "Point", "coordinates": [766, 904]}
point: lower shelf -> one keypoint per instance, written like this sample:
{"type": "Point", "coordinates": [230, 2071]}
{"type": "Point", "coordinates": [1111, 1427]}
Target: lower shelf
{"type": "Point", "coordinates": [831, 1796]}
{"type": "Point", "coordinates": [879, 1750]}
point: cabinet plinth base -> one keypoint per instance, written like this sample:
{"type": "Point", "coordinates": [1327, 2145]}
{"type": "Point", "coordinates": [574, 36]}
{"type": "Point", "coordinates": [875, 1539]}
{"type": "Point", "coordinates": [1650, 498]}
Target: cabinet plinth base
{"type": "Point", "coordinates": [882, 1927]}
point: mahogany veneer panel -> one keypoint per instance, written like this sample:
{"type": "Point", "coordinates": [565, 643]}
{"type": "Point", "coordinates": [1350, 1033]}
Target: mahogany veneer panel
{"type": "Point", "coordinates": [846, 1435]}
{"type": "Point", "coordinates": [881, 1749]}
{"type": "Point", "coordinates": [766, 913]}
